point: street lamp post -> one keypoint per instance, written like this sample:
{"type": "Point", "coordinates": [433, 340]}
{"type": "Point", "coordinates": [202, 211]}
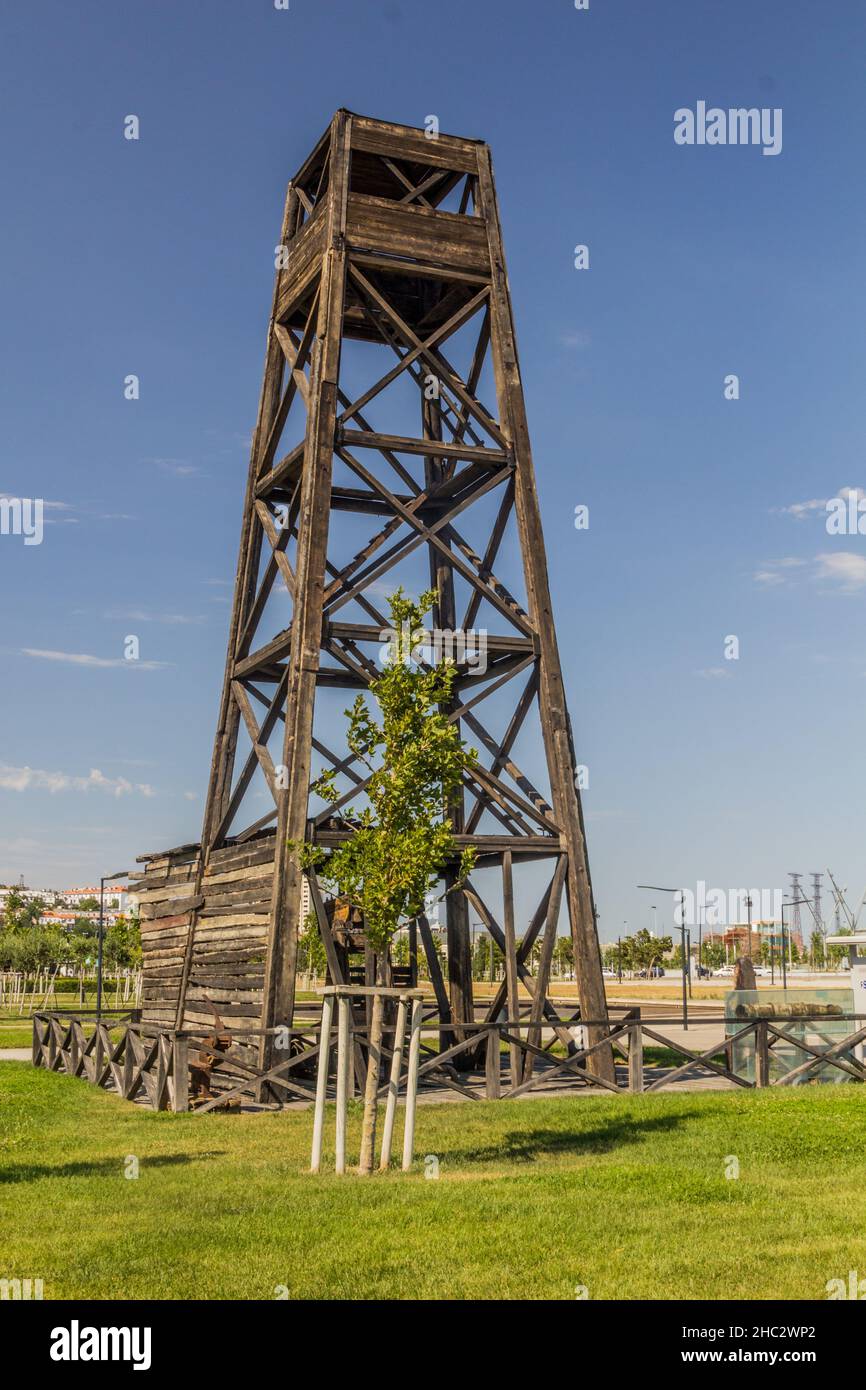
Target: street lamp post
{"type": "Point", "coordinates": [106, 878]}
{"type": "Point", "coordinates": [700, 937]}
{"type": "Point", "coordinates": [654, 888]}
{"type": "Point", "coordinates": [788, 902]}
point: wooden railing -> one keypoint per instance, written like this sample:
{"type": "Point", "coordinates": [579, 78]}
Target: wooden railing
{"type": "Point", "coordinates": [143, 1062]}
{"type": "Point", "coordinates": [502, 1059]}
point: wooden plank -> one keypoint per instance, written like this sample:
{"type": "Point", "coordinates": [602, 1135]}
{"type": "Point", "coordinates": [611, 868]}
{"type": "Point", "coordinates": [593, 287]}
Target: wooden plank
{"type": "Point", "coordinates": [405, 142]}
{"type": "Point", "coordinates": [310, 568]}
{"type": "Point", "coordinates": [556, 728]}
{"type": "Point", "coordinates": [511, 963]}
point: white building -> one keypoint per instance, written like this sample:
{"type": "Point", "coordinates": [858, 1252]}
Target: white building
{"type": "Point", "coordinates": [69, 902]}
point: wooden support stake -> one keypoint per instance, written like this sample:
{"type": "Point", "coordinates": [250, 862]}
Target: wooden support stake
{"type": "Point", "coordinates": [762, 1054]}
{"type": "Point", "coordinates": [322, 1082]}
{"type": "Point", "coordinates": [511, 965]}
{"type": "Point", "coordinates": [180, 1074]}
{"type": "Point", "coordinates": [374, 1060]}
{"type": "Point", "coordinates": [492, 1065]}
{"type": "Point", "coordinates": [412, 1086]}
{"type": "Point", "coordinates": [635, 1058]}
{"type": "Point", "coordinates": [343, 1068]}
{"type": "Point", "coordinates": [393, 1085]}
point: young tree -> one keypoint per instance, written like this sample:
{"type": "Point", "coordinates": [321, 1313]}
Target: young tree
{"type": "Point", "coordinates": [643, 950]}
{"type": "Point", "coordinates": [122, 943]}
{"type": "Point", "coordinates": [415, 759]}
{"type": "Point", "coordinates": [563, 957]}
{"type": "Point", "coordinates": [311, 953]}
{"type": "Point", "coordinates": [403, 838]}
{"type": "Point", "coordinates": [82, 952]}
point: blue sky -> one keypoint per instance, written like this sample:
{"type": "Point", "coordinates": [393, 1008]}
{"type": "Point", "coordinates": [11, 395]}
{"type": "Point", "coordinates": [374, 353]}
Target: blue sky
{"type": "Point", "coordinates": [155, 257]}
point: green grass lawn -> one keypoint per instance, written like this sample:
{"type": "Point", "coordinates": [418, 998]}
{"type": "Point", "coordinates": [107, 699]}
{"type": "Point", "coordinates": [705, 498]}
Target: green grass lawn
{"type": "Point", "coordinates": [16, 1029]}
{"type": "Point", "coordinates": [626, 1196]}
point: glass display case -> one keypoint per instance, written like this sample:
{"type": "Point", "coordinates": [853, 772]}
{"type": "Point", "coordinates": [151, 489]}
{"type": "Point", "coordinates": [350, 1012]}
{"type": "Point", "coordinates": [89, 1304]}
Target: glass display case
{"type": "Point", "coordinates": [821, 1024]}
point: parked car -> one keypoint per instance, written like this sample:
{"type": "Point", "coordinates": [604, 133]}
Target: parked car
{"type": "Point", "coordinates": [725, 970]}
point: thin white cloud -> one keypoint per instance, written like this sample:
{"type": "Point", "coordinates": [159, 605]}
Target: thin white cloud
{"type": "Point", "coordinates": [19, 779]}
{"type": "Point", "coordinates": [141, 615]}
{"type": "Point", "coordinates": [771, 572]}
{"type": "Point", "coordinates": [800, 510]}
{"type": "Point", "coordinates": [47, 506]}
{"type": "Point", "coordinates": [178, 468]}
{"type": "Point", "coordinates": [713, 673]}
{"type": "Point", "coordinates": [843, 568]}
{"type": "Point", "coordinates": [85, 511]}
{"type": "Point", "coordinates": [85, 659]}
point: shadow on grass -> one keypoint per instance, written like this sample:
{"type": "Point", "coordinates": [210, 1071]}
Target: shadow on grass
{"type": "Point", "coordinates": [102, 1168]}
{"type": "Point", "coordinates": [522, 1146]}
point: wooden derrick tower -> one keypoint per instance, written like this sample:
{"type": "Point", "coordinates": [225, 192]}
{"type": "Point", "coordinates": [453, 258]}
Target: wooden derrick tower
{"type": "Point", "coordinates": [391, 432]}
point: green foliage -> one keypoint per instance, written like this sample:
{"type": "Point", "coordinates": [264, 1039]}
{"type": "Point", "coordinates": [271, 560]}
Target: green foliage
{"type": "Point", "coordinates": [415, 758]}
{"type": "Point", "coordinates": [488, 961]}
{"type": "Point", "coordinates": [643, 950]}
{"type": "Point", "coordinates": [311, 951]}
{"type": "Point", "coordinates": [20, 913]}
{"type": "Point", "coordinates": [39, 948]}
{"type": "Point", "coordinates": [122, 945]}
{"type": "Point", "coordinates": [48, 947]}
{"type": "Point", "coordinates": [712, 954]}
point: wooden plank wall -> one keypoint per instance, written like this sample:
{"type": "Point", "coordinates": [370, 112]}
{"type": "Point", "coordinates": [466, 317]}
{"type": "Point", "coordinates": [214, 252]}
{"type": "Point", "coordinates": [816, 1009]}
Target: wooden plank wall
{"type": "Point", "coordinates": [229, 922]}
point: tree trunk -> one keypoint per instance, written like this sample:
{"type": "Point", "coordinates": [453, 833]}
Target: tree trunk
{"type": "Point", "coordinates": [374, 1054]}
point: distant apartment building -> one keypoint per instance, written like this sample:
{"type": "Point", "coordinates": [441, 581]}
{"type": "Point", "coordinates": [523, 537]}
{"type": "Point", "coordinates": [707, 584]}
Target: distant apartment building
{"type": "Point", "coordinates": [114, 892]}
{"type": "Point", "coordinates": [62, 917]}
{"type": "Point", "coordinates": [737, 941]}
{"type": "Point", "coordinates": [306, 902]}
{"type": "Point", "coordinates": [63, 905]}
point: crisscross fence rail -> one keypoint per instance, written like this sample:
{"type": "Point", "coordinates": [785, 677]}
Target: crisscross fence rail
{"type": "Point", "coordinates": [117, 1052]}
{"type": "Point", "coordinates": [499, 1059]}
